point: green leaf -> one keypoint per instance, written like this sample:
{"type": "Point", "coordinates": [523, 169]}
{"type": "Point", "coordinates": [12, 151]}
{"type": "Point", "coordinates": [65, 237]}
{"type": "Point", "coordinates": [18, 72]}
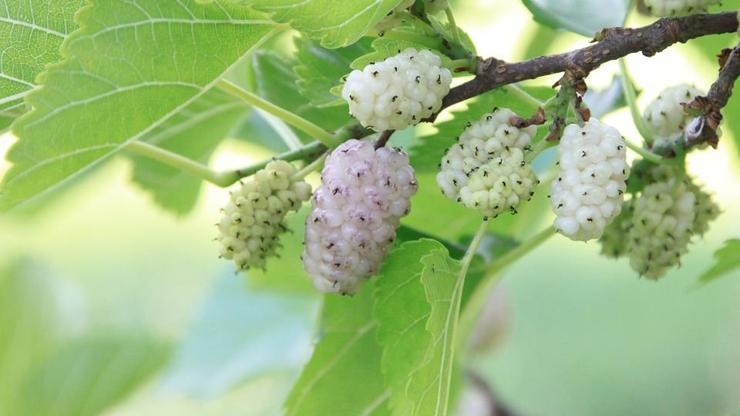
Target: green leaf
{"type": "Point", "coordinates": [320, 69]}
{"type": "Point", "coordinates": [401, 310]}
{"type": "Point", "coordinates": [343, 376]}
{"type": "Point", "coordinates": [238, 335]}
{"type": "Point", "coordinates": [275, 81]}
{"type": "Point", "coordinates": [131, 66]}
{"type": "Point", "coordinates": [727, 259]}
{"type": "Point", "coordinates": [583, 17]}
{"type": "Point", "coordinates": [28, 327]}
{"type": "Point", "coordinates": [31, 32]}
{"type": "Point", "coordinates": [334, 25]}
{"type": "Point", "coordinates": [429, 387]}
{"type": "Point", "coordinates": [194, 133]}
{"type": "Point", "coordinates": [91, 375]}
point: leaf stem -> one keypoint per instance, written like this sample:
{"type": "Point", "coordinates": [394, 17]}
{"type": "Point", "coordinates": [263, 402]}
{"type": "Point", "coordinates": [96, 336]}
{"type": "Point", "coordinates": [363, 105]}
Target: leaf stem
{"type": "Point", "coordinates": [628, 88]}
{"type": "Point", "coordinates": [524, 95]}
{"type": "Point", "coordinates": [646, 154]}
{"type": "Point", "coordinates": [493, 271]}
{"type": "Point", "coordinates": [453, 24]}
{"type": "Point", "coordinates": [225, 178]}
{"type": "Point", "coordinates": [460, 285]}
{"type": "Point", "coordinates": [311, 167]}
{"type": "Point", "coordinates": [177, 161]}
{"type": "Point", "coordinates": [289, 117]}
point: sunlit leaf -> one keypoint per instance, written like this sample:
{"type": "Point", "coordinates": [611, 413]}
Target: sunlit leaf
{"type": "Point", "coordinates": [333, 24]}
{"type": "Point", "coordinates": [31, 32]}
{"type": "Point", "coordinates": [131, 66]}
{"type": "Point", "coordinates": [194, 132]}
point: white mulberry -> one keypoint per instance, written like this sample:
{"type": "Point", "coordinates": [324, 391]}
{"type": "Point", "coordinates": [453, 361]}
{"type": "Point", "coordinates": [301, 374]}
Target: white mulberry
{"type": "Point", "coordinates": [665, 8]}
{"type": "Point", "coordinates": [615, 240]}
{"type": "Point", "coordinates": [253, 219]}
{"type": "Point", "coordinates": [588, 192]}
{"type": "Point", "coordinates": [705, 208]}
{"type": "Point", "coordinates": [356, 211]}
{"type": "Point", "coordinates": [398, 92]}
{"type": "Point", "coordinates": [486, 168]}
{"type": "Point", "coordinates": [662, 221]}
{"type": "Point", "coordinates": [665, 115]}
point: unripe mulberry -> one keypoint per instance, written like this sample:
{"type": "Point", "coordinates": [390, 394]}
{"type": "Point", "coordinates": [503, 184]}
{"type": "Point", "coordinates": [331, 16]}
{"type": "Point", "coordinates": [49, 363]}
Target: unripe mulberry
{"type": "Point", "coordinates": [705, 208]}
{"type": "Point", "coordinates": [667, 8]}
{"type": "Point", "coordinates": [588, 192]}
{"type": "Point", "coordinates": [615, 240]}
{"type": "Point", "coordinates": [486, 169]}
{"type": "Point", "coordinates": [663, 218]}
{"type": "Point", "coordinates": [253, 219]}
{"type": "Point", "coordinates": [398, 92]}
{"type": "Point", "coordinates": [356, 211]}
{"type": "Point", "coordinates": [666, 117]}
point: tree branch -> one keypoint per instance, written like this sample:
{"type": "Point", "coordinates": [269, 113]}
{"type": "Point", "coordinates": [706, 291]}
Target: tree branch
{"type": "Point", "coordinates": [703, 129]}
{"type": "Point", "coordinates": [610, 44]}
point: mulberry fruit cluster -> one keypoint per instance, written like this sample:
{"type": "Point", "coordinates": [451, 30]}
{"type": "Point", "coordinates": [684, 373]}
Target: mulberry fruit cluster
{"type": "Point", "coordinates": [588, 192]}
{"type": "Point", "coordinates": [661, 227]}
{"type": "Point", "coordinates": [615, 240]}
{"type": "Point", "coordinates": [398, 92]}
{"type": "Point", "coordinates": [656, 227]}
{"type": "Point", "coordinates": [486, 168]}
{"type": "Point", "coordinates": [666, 117]}
{"type": "Point", "coordinates": [355, 213]}
{"type": "Point", "coordinates": [667, 8]}
{"type": "Point", "coordinates": [253, 219]}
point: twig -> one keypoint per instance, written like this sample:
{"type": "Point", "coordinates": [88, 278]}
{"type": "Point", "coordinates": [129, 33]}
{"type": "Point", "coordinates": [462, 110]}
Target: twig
{"type": "Point", "coordinates": [383, 139]}
{"type": "Point", "coordinates": [703, 129]}
{"type": "Point", "coordinates": [610, 44]}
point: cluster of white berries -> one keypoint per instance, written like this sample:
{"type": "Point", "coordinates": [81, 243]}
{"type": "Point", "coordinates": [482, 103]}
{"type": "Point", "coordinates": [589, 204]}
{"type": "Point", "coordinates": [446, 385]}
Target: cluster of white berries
{"type": "Point", "coordinates": [253, 219]}
{"type": "Point", "coordinates": [664, 8]}
{"type": "Point", "coordinates": [655, 228]}
{"type": "Point", "coordinates": [486, 168]}
{"type": "Point", "coordinates": [588, 192]}
{"type": "Point", "coordinates": [398, 92]}
{"type": "Point", "coordinates": [666, 117]}
{"type": "Point", "coordinates": [363, 194]}
{"type": "Point", "coordinates": [661, 227]}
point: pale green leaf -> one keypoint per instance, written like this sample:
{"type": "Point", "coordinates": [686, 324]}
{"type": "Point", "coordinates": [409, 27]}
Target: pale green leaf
{"type": "Point", "coordinates": [131, 66]}
{"type": "Point", "coordinates": [727, 259]}
{"type": "Point", "coordinates": [401, 310]}
{"type": "Point", "coordinates": [28, 328]}
{"type": "Point", "coordinates": [238, 335]}
{"type": "Point", "coordinates": [320, 69]}
{"type": "Point", "coordinates": [429, 387]}
{"type": "Point", "coordinates": [585, 17]}
{"type": "Point", "coordinates": [90, 375]}
{"type": "Point", "coordinates": [333, 24]}
{"type": "Point", "coordinates": [31, 32]}
{"type": "Point", "coordinates": [193, 132]}
{"type": "Point", "coordinates": [343, 376]}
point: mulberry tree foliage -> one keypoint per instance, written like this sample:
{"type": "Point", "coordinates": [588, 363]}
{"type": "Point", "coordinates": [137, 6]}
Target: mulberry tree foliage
{"type": "Point", "coordinates": [376, 114]}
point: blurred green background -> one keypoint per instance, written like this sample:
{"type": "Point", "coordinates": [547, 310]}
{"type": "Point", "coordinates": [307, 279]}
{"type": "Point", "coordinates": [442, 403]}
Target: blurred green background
{"type": "Point", "coordinates": [110, 304]}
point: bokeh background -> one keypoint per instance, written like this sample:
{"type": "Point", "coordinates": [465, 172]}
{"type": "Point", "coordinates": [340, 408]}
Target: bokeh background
{"type": "Point", "coordinates": [108, 304]}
